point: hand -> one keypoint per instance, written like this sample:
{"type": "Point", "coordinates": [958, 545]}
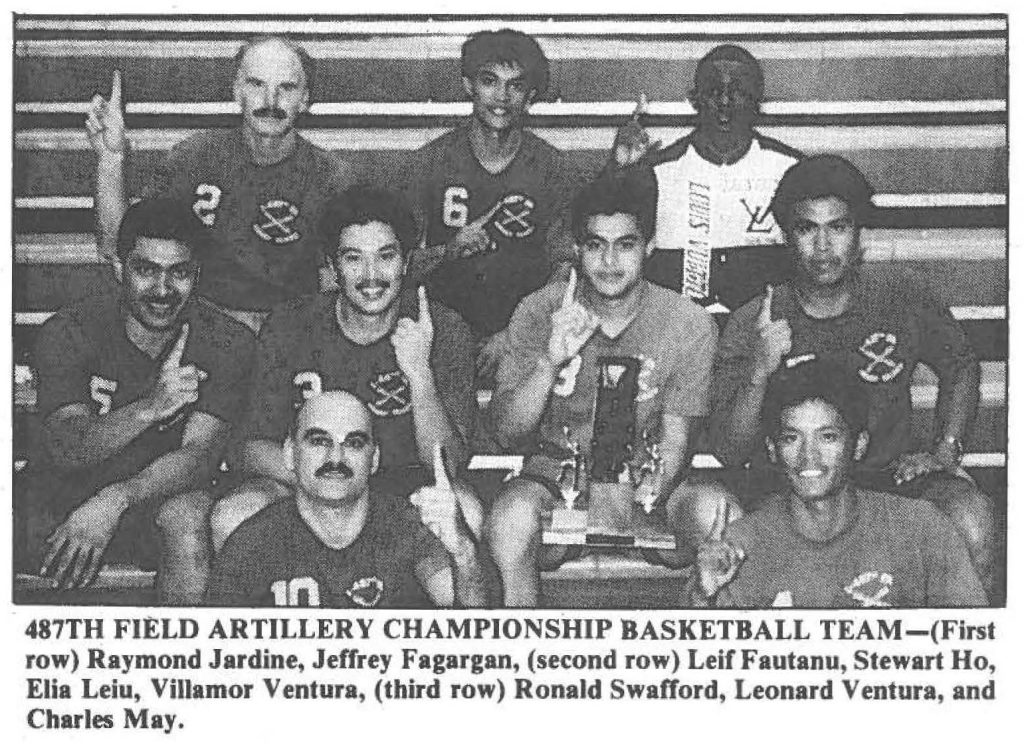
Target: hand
{"type": "Point", "coordinates": [440, 512]}
{"type": "Point", "coordinates": [490, 355]}
{"type": "Point", "coordinates": [104, 122]}
{"type": "Point", "coordinates": [910, 466]}
{"type": "Point", "coordinates": [74, 550]}
{"type": "Point", "coordinates": [718, 560]}
{"type": "Point", "coordinates": [632, 143]}
{"type": "Point", "coordinates": [175, 386]}
{"type": "Point", "coordinates": [572, 325]}
{"type": "Point", "coordinates": [774, 339]}
{"type": "Point", "coordinates": [412, 340]}
{"type": "Point", "coordinates": [472, 239]}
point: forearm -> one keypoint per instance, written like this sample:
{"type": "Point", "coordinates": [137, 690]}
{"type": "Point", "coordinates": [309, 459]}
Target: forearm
{"type": "Point", "coordinates": [957, 401]}
{"type": "Point", "coordinates": [265, 458]}
{"type": "Point", "coordinates": [111, 201]}
{"type": "Point", "coordinates": [433, 425]}
{"type": "Point", "coordinates": [737, 429]}
{"type": "Point", "coordinates": [82, 440]}
{"type": "Point", "coordinates": [517, 412]}
{"type": "Point", "coordinates": [470, 581]}
{"type": "Point", "coordinates": [187, 468]}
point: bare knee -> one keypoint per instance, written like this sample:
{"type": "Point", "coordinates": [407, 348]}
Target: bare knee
{"type": "Point", "coordinates": [693, 506]}
{"type": "Point", "coordinates": [186, 514]}
{"type": "Point", "coordinates": [969, 509]}
{"type": "Point", "coordinates": [471, 507]}
{"type": "Point", "coordinates": [514, 523]}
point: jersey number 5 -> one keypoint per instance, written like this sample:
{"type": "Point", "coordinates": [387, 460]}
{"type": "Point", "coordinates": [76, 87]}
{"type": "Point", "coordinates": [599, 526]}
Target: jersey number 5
{"type": "Point", "coordinates": [205, 208]}
{"type": "Point", "coordinates": [101, 391]}
{"type": "Point", "coordinates": [455, 210]}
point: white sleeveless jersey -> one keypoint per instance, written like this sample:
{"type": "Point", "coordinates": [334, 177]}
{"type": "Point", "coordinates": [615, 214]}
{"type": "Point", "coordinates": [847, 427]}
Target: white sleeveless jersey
{"type": "Point", "coordinates": [703, 206]}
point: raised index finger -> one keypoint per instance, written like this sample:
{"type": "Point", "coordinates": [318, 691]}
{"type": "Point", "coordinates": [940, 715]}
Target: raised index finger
{"type": "Point", "coordinates": [764, 317]}
{"type": "Point", "coordinates": [424, 304]}
{"type": "Point", "coordinates": [717, 532]}
{"type": "Point", "coordinates": [176, 353]}
{"type": "Point", "coordinates": [641, 106]}
{"type": "Point", "coordinates": [570, 290]}
{"type": "Point", "coordinates": [486, 217]}
{"type": "Point", "coordinates": [441, 479]}
{"type": "Point", "coordinates": [115, 90]}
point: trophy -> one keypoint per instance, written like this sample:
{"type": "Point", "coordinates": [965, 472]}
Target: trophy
{"type": "Point", "coordinates": [649, 474]}
{"type": "Point", "coordinates": [570, 474]}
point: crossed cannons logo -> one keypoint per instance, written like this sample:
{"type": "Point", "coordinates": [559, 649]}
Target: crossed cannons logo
{"type": "Point", "coordinates": [881, 367]}
{"type": "Point", "coordinates": [515, 217]}
{"type": "Point", "coordinates": [390, 394]}
{"type": "Point", "coordinates": [275, 222]}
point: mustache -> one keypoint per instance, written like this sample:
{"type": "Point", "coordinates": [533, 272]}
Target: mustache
{"type": "Point", "coordinates": [333, 468]}
{"type": "Point", "coordinates": [167, 299]}
{"type": "Point", "coordinates": [275, 112]}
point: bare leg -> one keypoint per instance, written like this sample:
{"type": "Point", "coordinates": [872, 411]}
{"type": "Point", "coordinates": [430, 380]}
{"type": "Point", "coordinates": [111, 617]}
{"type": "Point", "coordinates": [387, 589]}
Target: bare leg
{"type": "Point", "coordinates": [183, 522]}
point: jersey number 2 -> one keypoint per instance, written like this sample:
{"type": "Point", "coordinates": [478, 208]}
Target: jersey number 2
{"type": "Point", "coordinates": [205, 208]}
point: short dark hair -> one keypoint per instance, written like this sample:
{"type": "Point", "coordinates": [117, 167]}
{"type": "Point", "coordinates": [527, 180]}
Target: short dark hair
{"type": "Point", "coordinates": [731, 53]}
{"type": "Point", "coordinates": [362, 204]}
{"type": "Point", "coordinates": [816, 380]}
{"type": "Point", "coordinates": [630, 191]}
{"type": "Point", "coordinates": [160, 219]}
{"type": "Point", "coordinates": [507, 46]}
{"type": "Point", "coordinates": [307, 62]}
{"type": "Point", "coordinates": [822, 176]}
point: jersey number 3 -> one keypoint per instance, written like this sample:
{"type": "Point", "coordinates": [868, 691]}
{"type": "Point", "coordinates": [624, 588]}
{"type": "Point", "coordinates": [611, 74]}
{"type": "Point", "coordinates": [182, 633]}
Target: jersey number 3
{"type": "Point", "coordinates": [455, 210]}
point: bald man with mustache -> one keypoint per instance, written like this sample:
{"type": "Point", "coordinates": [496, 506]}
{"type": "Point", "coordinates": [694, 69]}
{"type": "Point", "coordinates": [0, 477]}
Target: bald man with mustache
{"type": "Point", "coordinates": [337, 543]}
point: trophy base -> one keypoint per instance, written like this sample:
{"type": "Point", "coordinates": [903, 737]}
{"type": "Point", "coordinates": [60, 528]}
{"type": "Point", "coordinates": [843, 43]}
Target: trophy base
{"type": "Point", "coordinates": [612, 520]}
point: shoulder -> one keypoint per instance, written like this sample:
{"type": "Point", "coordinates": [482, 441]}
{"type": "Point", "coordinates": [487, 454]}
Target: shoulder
{"type": "Point", "coordinates": [678, 310]}
{"type": "Point", "coordinates": [446, 142]}
{"type": "Point", "coordinates": [445, 318]}
{"type": "Point", "coordinates": [334, 167]}
{"type": "Point", "coordinates": [297, 312]}
{"type": "Point", "coordinates": [906, 513]}
{"type": "Point", "coordinates": [205, 142]}
{"type": "Point", "coordinates": [542, 149]}
{"type": "Point", "coordinates": [672, 152]}
{"type": "Point", "coordinates": [778, 147]}
{"type": "Point", "coordinates": [214, 325]}
{"type": "Point", "coordinates": [263, 531]}
{"type": "Point", "coordinates": [90, 317]}
{"type": "Point", "coordinates": [894, 290]}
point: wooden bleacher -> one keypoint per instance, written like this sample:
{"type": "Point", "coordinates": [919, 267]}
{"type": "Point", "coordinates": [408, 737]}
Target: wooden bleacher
{"type": "Point", "coordinates": [919, 104]}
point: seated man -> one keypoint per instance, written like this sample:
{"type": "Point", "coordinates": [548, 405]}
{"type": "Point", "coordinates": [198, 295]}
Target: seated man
{"type": "Point", "coordinates": [137, 395]}
{"type": "Point", "coordinates": [410, 361]}
{"type": "Point", "coordinates": [877, 328]}
{"type": "Point", "coordinates": [548, 382]}
{"type": "Point", "coordinates": [821, 541]}
{"type": "Point", "coordinates": [339, 543]}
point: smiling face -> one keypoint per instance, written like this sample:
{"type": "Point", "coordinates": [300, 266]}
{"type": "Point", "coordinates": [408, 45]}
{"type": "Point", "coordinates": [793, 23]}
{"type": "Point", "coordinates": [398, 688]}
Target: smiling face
{"type": "Point", "coordinates": [612, 253]}
{"type": "Point", "coordinates": [157, 280]}
{"type": "Point", "coordinates": [270, 87]}
{"type": "Point", "coordinates": [825, 241]}
{"type": "Point", "coordinates": [369, 266]}
{"type": "Point", "coordinates": [815, 449]}
{"type": "Point", "coordinates": [332, 450]}
{"type": "Point", "coordinates": [500, 95]}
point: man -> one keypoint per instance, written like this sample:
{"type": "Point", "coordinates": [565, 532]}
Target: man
{"type": "Point", "coordinates": [547, 383]}
{"type": "Point", "coordinates": [491, 193]}
{"type": "Point", "coordinates": [408, 359]}
{"type": "Point", "coordinates": [715, 184]}
{"type": "Point", "coordinates": [260, 188]}
{"type": "Point", "coordinates": [877, 328]}
{"type": "Point", "coordinates": [137, 396]}
{"type": "Point", "coordinates": [822, 542]}
{"type": "Point", "coordinates": [339, 543]}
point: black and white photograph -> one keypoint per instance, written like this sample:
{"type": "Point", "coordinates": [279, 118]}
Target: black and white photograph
{"type": "Point", "coordinates": [564, 312]}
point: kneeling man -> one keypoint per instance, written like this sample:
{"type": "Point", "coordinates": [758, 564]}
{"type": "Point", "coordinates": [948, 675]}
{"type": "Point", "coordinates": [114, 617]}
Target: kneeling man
{"type": "Point", "coordinates": [822, 542]}
{"type": "Point", "coordinates": [336, 543]}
